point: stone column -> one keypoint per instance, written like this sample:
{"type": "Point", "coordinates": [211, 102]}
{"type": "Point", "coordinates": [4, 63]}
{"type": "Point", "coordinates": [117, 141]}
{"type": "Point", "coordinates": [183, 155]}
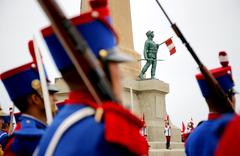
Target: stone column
{"type": "Point", "coordinates": [122, 22]}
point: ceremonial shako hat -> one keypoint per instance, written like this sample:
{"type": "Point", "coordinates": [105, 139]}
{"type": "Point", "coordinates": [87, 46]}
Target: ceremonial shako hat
{"type": "Point", "coordinates": [95, 27]}
{"type": "Point", "coordinates": [5, 117]}
{"type": "Point", "coordinates": [223, 58]}
{"type": "Point", "coordinates": [24, 79]}
{"type": "Point", "coordinates": [222, 75]}
{"type": "Point", "coordinates": [21, 81]}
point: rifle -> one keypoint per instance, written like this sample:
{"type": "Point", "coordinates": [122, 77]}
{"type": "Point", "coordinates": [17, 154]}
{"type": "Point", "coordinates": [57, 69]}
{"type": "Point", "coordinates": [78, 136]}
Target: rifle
{"type": "Point", "coordinates": [79, 52]}
{"type": "Point", "coordinates": [42, 76]}
{"type": "Point", "coordinates": [150, 60]}
{"type": "Point", "coordinates": [224, 105]}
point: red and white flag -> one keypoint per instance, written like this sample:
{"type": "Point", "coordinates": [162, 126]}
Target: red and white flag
{"type": "Point", "coordinates": [170, 45]}
{"type": "Point", "coordinates": [183, 127]}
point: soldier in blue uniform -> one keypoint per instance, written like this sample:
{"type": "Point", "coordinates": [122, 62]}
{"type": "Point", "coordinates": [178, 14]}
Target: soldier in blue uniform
{"type": "Point", "coordinates": [204, 139]}
{"type": "Point", "coordinates": [23, 86]}
{"type": "Point", "coordinates": [4, 120]}
{"type": "Point", "coordinates": [75, 131]}
{"type": "Point", "coordinates": [229, 142]}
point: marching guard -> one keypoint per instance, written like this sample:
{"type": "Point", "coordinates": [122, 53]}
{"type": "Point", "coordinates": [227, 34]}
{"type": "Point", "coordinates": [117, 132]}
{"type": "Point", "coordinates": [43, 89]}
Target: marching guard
{"type": "Point", "coordinates": [23, 86]}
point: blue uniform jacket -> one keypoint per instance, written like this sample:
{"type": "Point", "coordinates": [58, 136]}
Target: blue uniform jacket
{"type": "Point", "coordinates": [26, 136]}
{"type": "Point", "coordinates": [204, 139]}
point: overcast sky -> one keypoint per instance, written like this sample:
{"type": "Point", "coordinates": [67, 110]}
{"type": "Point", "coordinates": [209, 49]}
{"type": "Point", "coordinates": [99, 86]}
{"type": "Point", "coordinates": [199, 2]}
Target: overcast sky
{"type": "Point", "coordinates": [209, 26]}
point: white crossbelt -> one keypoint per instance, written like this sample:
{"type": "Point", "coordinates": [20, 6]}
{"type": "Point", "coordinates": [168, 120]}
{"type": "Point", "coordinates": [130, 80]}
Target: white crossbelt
{"type": "Point", "coordinates": [64, 126]}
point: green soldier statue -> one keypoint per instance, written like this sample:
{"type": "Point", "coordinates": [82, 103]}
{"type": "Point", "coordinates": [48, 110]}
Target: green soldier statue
{"type": "Point", "coordinates": [150, 54]}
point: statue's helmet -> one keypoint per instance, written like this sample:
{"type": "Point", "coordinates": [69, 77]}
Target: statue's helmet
{"type": "Point", "coordinates": [149, 32]}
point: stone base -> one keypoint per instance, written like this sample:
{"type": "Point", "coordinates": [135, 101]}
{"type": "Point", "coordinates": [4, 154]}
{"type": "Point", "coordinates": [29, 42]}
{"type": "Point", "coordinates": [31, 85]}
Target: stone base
{"type": "Point", "coordinates": [165, 152]}
{"type": "Point", "coordinates": [148, 97]}
{"type": "Point", "coordinates": [162, 145]}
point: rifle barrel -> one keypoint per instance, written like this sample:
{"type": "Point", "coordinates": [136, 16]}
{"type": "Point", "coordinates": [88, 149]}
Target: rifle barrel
{"type": "Point", "coordinates": [149, 59]}
{"type": "Point", "coordinates": [225, 104]}
{"type": "Point", "coordinates": [169, 20]}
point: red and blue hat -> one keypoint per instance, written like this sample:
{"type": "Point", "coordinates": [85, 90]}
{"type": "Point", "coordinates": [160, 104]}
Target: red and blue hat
{"type": "Point", "coordinates": [95, 27]}
{"type": "Point", "coordinates": [5, 118]}
{"type": "Point", "coordinates": [223, 58]}
{"type": "Point", "coordinates": [222, 75]}
{"type": "Point", "coordinates": [22, 80]}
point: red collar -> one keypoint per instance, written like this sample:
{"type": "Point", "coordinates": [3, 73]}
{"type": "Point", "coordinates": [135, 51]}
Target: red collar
{"type": "Point", "coordinates": [81, 97]}
{"type": "Point", "coordinates": [214, 116]}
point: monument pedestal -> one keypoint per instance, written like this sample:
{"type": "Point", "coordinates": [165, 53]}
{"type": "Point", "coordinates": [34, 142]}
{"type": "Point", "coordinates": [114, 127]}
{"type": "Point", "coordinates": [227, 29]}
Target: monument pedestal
{"type": "Point", "coordinates": [148, 97]}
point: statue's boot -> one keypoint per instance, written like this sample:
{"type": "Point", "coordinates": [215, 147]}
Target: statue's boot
{"type": "Point", "coordinates": [153, 77]}
{"type": "Point", "coordinates": [141, 76]}
{"type": "Point", "coordinates": [153, 73]}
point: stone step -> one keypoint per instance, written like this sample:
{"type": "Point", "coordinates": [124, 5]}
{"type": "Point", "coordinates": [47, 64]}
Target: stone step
{"type": "Point", "coordinates": [165, 152]}
{"type": "Point", "coordinates": [162, 145]}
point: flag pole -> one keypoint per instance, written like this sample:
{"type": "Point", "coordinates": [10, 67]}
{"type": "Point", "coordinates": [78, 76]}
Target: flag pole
{"type": "Point", "coordinates": [43, 81]}
{"type": "Point", "coordinates": [131, 96]}
{"type": "Point", "coordinates": [164, 41]}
